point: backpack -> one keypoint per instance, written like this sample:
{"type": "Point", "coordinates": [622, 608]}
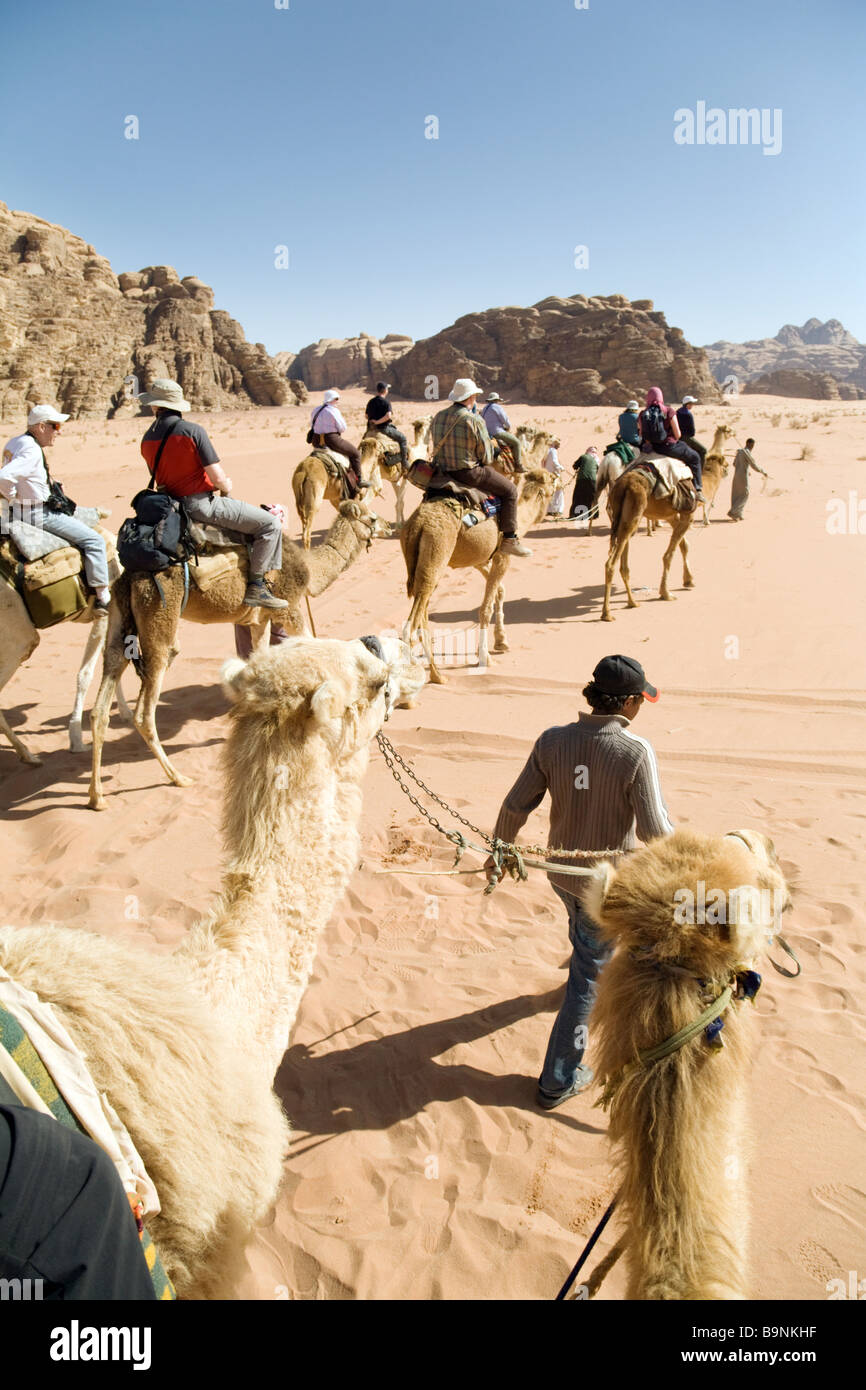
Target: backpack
{"type": "Point", "coordinates": [157, 536]}
{"type": "Point", "coordinates": [655, 425]}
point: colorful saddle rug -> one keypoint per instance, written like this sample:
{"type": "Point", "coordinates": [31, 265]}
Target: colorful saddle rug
{"type": "Point", "coordinates": [19, 1047]}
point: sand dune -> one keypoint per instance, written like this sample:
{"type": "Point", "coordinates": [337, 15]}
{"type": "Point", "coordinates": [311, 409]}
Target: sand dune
{"type": "Point", "coordinates": [420, 1167]}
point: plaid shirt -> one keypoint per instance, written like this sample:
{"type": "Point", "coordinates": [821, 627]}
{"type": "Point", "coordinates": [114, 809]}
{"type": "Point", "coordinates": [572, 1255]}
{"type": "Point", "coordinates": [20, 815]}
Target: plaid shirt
{"type": "Point", "coordinates": [468, 443]}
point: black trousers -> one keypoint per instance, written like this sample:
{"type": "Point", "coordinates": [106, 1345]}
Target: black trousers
{"type": "Point", "coordinates": [677, 449]}
{"type": "Point", "coordinates": [64, 1216]}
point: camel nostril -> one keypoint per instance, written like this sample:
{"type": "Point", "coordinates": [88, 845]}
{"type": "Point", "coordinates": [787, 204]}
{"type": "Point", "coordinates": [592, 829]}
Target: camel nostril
{"type": "Point", "coordinates": [374, 645]}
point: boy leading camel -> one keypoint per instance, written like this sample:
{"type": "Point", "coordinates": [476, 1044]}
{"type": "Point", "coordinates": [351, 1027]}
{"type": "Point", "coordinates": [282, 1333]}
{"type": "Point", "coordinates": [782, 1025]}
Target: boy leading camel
{"type": "Point", "coordinates": [604, 789]}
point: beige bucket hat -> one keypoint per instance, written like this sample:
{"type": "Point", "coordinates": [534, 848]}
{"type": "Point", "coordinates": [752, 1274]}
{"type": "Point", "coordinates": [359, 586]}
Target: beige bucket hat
{"type": "Point", "coordinates": [166, 393]}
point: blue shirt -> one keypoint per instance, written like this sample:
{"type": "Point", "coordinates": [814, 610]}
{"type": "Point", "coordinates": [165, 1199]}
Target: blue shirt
{"type": "Point", "coordinates": [628, 430]}
{"type": "Point", "coordinates": [495, 418]}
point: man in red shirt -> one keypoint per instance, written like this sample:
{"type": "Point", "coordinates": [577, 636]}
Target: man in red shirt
{"type": "Point", "coordinates": [185, 464]}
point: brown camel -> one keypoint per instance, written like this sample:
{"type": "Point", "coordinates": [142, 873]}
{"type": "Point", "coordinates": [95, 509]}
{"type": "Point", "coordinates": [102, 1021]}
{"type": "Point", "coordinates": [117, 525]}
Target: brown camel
{"type": "Point", "coordinates": [389, 463]}
{"type": "Point", "coordinates": [534, 444]}
{"type": "Point", "coordinates": [312, 483]}
{"type": "Point", "coordinates": [687, 916]}
{"type": "Point", "coordinates": [631, 499]}
{"type": "Point", "coordinates": [143, 624]}
{"type": "Point", "coordinates": [434, 539]}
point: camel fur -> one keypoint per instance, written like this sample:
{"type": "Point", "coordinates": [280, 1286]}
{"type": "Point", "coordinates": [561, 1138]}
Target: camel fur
{"type": "Point", "coordinates": [678, 1125]}
{"type": "Point", "coordinates": [630, 499]}
{"type": "Point", "coordinates": [312, 483]}
{"type": "Point", "coordinates": [434, 539]}
{"type": "Point", "coordinates": [140, 619]}
{"type": "Point", "coordinates": [389, 463]}
{"type": "Point", "coordinates": [186, 1046]}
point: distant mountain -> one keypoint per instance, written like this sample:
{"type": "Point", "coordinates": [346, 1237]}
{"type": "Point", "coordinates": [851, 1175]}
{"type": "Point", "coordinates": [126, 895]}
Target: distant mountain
{"type": "Point", "coordinates": [341, 362]}
{"type": "Point", "coordinates": [795, 354]}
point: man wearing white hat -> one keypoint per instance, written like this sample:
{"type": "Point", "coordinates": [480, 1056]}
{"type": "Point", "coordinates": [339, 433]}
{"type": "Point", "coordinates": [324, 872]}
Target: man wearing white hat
{"type": "Point", "coordinates": [24, 478]}
{"type": "Point", "coordinates": [183, 462]}
{"type": "Point", "coordinates": [461, 450]}
{"type": "Point", "coordinates": [628, 429]}
{"type": "Point", "coordinates": [328, 428]}
{"type": "Point", "coordinates": [499, 427]}
{"type": "Point", "coordinates": [687, 427]}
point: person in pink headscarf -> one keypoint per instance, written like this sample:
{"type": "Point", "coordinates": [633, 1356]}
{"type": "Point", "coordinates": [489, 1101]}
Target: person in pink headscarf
{"type": "Point", "coordinates": [657, 418]}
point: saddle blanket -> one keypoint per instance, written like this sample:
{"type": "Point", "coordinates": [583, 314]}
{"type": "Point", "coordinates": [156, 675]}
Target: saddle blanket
{"type": "Point", "coordinates": [60, 561]}
{"type": "Point", "coordinates": [211, 568]}
{"type": "Point", "coordinates": [32, 542]}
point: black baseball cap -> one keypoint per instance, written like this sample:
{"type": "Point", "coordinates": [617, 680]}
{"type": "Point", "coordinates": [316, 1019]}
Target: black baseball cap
{"type": "Point", "coordinates": [382, 386]}
{"type": "Point", "coordinates": [622, 675]}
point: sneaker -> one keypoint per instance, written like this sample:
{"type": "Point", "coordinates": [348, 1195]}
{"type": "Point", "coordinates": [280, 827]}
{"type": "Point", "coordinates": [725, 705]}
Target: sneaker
{"type": "Point", "coordinates": [512, 546]}
{"type": "Point", "coordinates": [100, 605]}
{"type": "Point", "coordinates": [258, 595]}
{"type": "Point", "coordinates": [582, 1080]}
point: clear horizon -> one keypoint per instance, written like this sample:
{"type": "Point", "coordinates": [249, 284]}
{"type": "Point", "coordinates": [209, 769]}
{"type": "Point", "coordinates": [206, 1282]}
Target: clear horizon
{"type": "Point", "coordinates": [304, 127]}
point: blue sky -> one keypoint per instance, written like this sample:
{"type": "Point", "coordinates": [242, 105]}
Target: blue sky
{"type": "Point", "coordinates": [305, 127]}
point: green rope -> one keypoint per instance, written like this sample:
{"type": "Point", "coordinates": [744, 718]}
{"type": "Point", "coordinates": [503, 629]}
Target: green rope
{"type": "Point", "coordinates": [649, 1055]}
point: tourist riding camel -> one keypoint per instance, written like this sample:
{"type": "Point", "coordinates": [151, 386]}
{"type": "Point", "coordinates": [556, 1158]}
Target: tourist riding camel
{"type": "Point", "coordinates": [327, 427]}
{"type": "Point", "coordinates": [380, 418]}
{"type": "Point", "coordinates": [604, 786]}
{"type": "Point", "coordinates": [628, 432]}
{"type": "Point", "coordinates": [499, 427]}
{"type": "Point", "coordinates": [461, 451]}
{"type": "Point", "coordinates": [183, 462]}
{"type": "Point", "coordinates": [743, 464]}
{"type": "Point", "coordinates": [660, 434]}
{"type": "Point", "coordinates": [686, 422]}
{"type": "Point", "coordinates": [25, 480]}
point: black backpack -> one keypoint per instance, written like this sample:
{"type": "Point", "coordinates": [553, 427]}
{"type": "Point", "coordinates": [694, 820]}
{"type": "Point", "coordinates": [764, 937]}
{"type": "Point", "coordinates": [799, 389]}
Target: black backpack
{"type": "Point", "coordinates": [655, 425]}
{"type": "Point", "coordinates": [157, 536]}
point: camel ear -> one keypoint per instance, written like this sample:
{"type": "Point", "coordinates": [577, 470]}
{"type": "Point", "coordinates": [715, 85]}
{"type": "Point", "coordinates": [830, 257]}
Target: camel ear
{"type": "Point", "coordinates": [327, 702]}
{"type": "Point", "coordinates": [596, 890]}
{"type": "Point", "coordinates": [232, 671]}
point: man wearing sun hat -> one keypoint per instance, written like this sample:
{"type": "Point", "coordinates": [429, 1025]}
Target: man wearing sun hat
{"type": "Point", "coordinates": [24, 479]}
{"type": "Point", "coordinates": [184, 463]}
{"type": "Point", "coordinates": [499, 427]}
{"type": "Point", "coordinates": [628, 430]}
{"type": "Point", "coordinates": [461, 450]}
{"type": "Point", "coordinates": [686, 421]}
{"type": "Point", "coordinates": [605, 793]}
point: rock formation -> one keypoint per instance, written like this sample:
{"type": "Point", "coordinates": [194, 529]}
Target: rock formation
{"type": "Point", "coordinates": [341, 362]}
{"type": "Point", "coordinates": [795, 355]}
{"type": "Point", "coordinates": [814, 386]}
{"type": "Point", "coordinates": [577, 351]}
{"type": "Point", "coordinates": [74, 333]}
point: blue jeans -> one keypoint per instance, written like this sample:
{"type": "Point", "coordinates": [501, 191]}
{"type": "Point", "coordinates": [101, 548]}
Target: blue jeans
{"type": "Point", "coordinates": [85, 539]}
{"type": "Point", "coordinates": [568, 1036]}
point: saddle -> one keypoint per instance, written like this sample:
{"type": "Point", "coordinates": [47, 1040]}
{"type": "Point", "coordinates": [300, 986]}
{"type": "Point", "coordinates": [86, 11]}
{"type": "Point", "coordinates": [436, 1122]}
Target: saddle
{"type": "Point", "coordinates": [53, 587]}
{"type": "Point", "coordinates": [390, 447]}
{"type": "Point", "coordinates": [335, 467]}
{"type": "Point", "coordinates": [672, 480]}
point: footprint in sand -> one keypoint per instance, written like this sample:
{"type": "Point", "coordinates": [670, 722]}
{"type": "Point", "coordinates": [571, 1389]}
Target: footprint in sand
{"type": "Point", "coordinates": [847, 1202]}
{"type": "Point", "coordinates": [817, 1262]}
{"type": "Point", "coordinates": [840, 913]}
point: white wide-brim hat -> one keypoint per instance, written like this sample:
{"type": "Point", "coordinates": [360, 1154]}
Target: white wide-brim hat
{"type": "Point", "coordinates": [690, 400]}
{"type": "Point", "coordinates": [463, 388]}
{"type": "Point", "coordinates": [165, 393]}
{"type": "Point", "coordinates": [45, 415]}
{"type": "Point", "coordinates": [330, 396]}
{"type": "Point", "coordinates": [632, 405]}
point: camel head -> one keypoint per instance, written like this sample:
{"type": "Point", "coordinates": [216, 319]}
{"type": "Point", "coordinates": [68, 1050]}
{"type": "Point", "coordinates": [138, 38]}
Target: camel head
{"type": "Point", "coordinates": [367, 523]}
{"type": "Point", "coordinates": [421, 426]}
{"type": "Point", "coordinates": [340, 693]}
{"type": "Point", "coordinates": [705, 904]}
{"type": "Point", "coordinates": [537, 483]}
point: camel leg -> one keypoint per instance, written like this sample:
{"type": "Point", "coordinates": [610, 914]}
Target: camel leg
{"type": "Point", "coordinates": [399, 493]}
{"type": "Point", "coordinates": [500, 641]}
{"type": "Point", "coordinates": [145, 718]}
{"type": "Point", "coordinates": [679, 531]}
{"type": "Point", "coordinates": [624, 571]}
{"type": "Point", "coordinates": [485, 613]}
{"type": "Point", "coordinates": [20, 640]}
{"type": "Point", "coordinates": [124, 711]}
{"type": "Point", "coordinates": [95, 643]}
{"type": "Point", "coordinates": [688, 577]}
{"type": "Point", "coordinates": [113, 665]}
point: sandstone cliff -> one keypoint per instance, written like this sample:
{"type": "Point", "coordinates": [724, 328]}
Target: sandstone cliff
{"type": "Point", "coordinates": [341, 362]}
{"type": "Point", "coordinates": [73, 332]}
{"type": "Point", "coordinates": [813, 386]}
{"type": "Point", "coordinates": [577, 351]}
{"type": "Point", "coordinates": [815, 347]}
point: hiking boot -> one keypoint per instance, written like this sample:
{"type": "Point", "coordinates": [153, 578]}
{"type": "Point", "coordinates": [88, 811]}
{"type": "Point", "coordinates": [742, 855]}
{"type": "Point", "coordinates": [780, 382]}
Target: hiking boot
{"type": "Point", "coordinates": [580, 1083]}
{"type": "Point", "coordinates": [512, 546]}
{"type": "Point", "coordinates": [258, 595]}
{"type": "Point", "coordinates": [100, 605]}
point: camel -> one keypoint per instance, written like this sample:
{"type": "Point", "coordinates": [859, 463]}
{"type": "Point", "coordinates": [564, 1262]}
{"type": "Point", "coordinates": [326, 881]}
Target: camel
{"type": "Point", "coordinates": [534, 444]}
{"type": "Point", "coordinates": [140, 615]}
{"type": "Point", "coordinates": [434, 538]}
{"type": "Point", "coordinates": [609, 470]}
{"type": "Point", "coordinates": [389, 463]}
{"type": "Point", "coordinates": [312, 484]}
{"type": "Point", "coordinates": [19, 640]}
{"type": "Point", "coordinates": [678, 1122]}
{"type": "Point", "coordinates": [630, 499]}
{"type": "Point", "coordinates": [186, 1046]}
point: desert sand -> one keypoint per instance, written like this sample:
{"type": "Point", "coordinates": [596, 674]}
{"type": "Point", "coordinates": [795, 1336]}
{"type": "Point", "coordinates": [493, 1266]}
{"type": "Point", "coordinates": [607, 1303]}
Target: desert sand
{"type": "Point", "coordinates": [420, 1167]}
